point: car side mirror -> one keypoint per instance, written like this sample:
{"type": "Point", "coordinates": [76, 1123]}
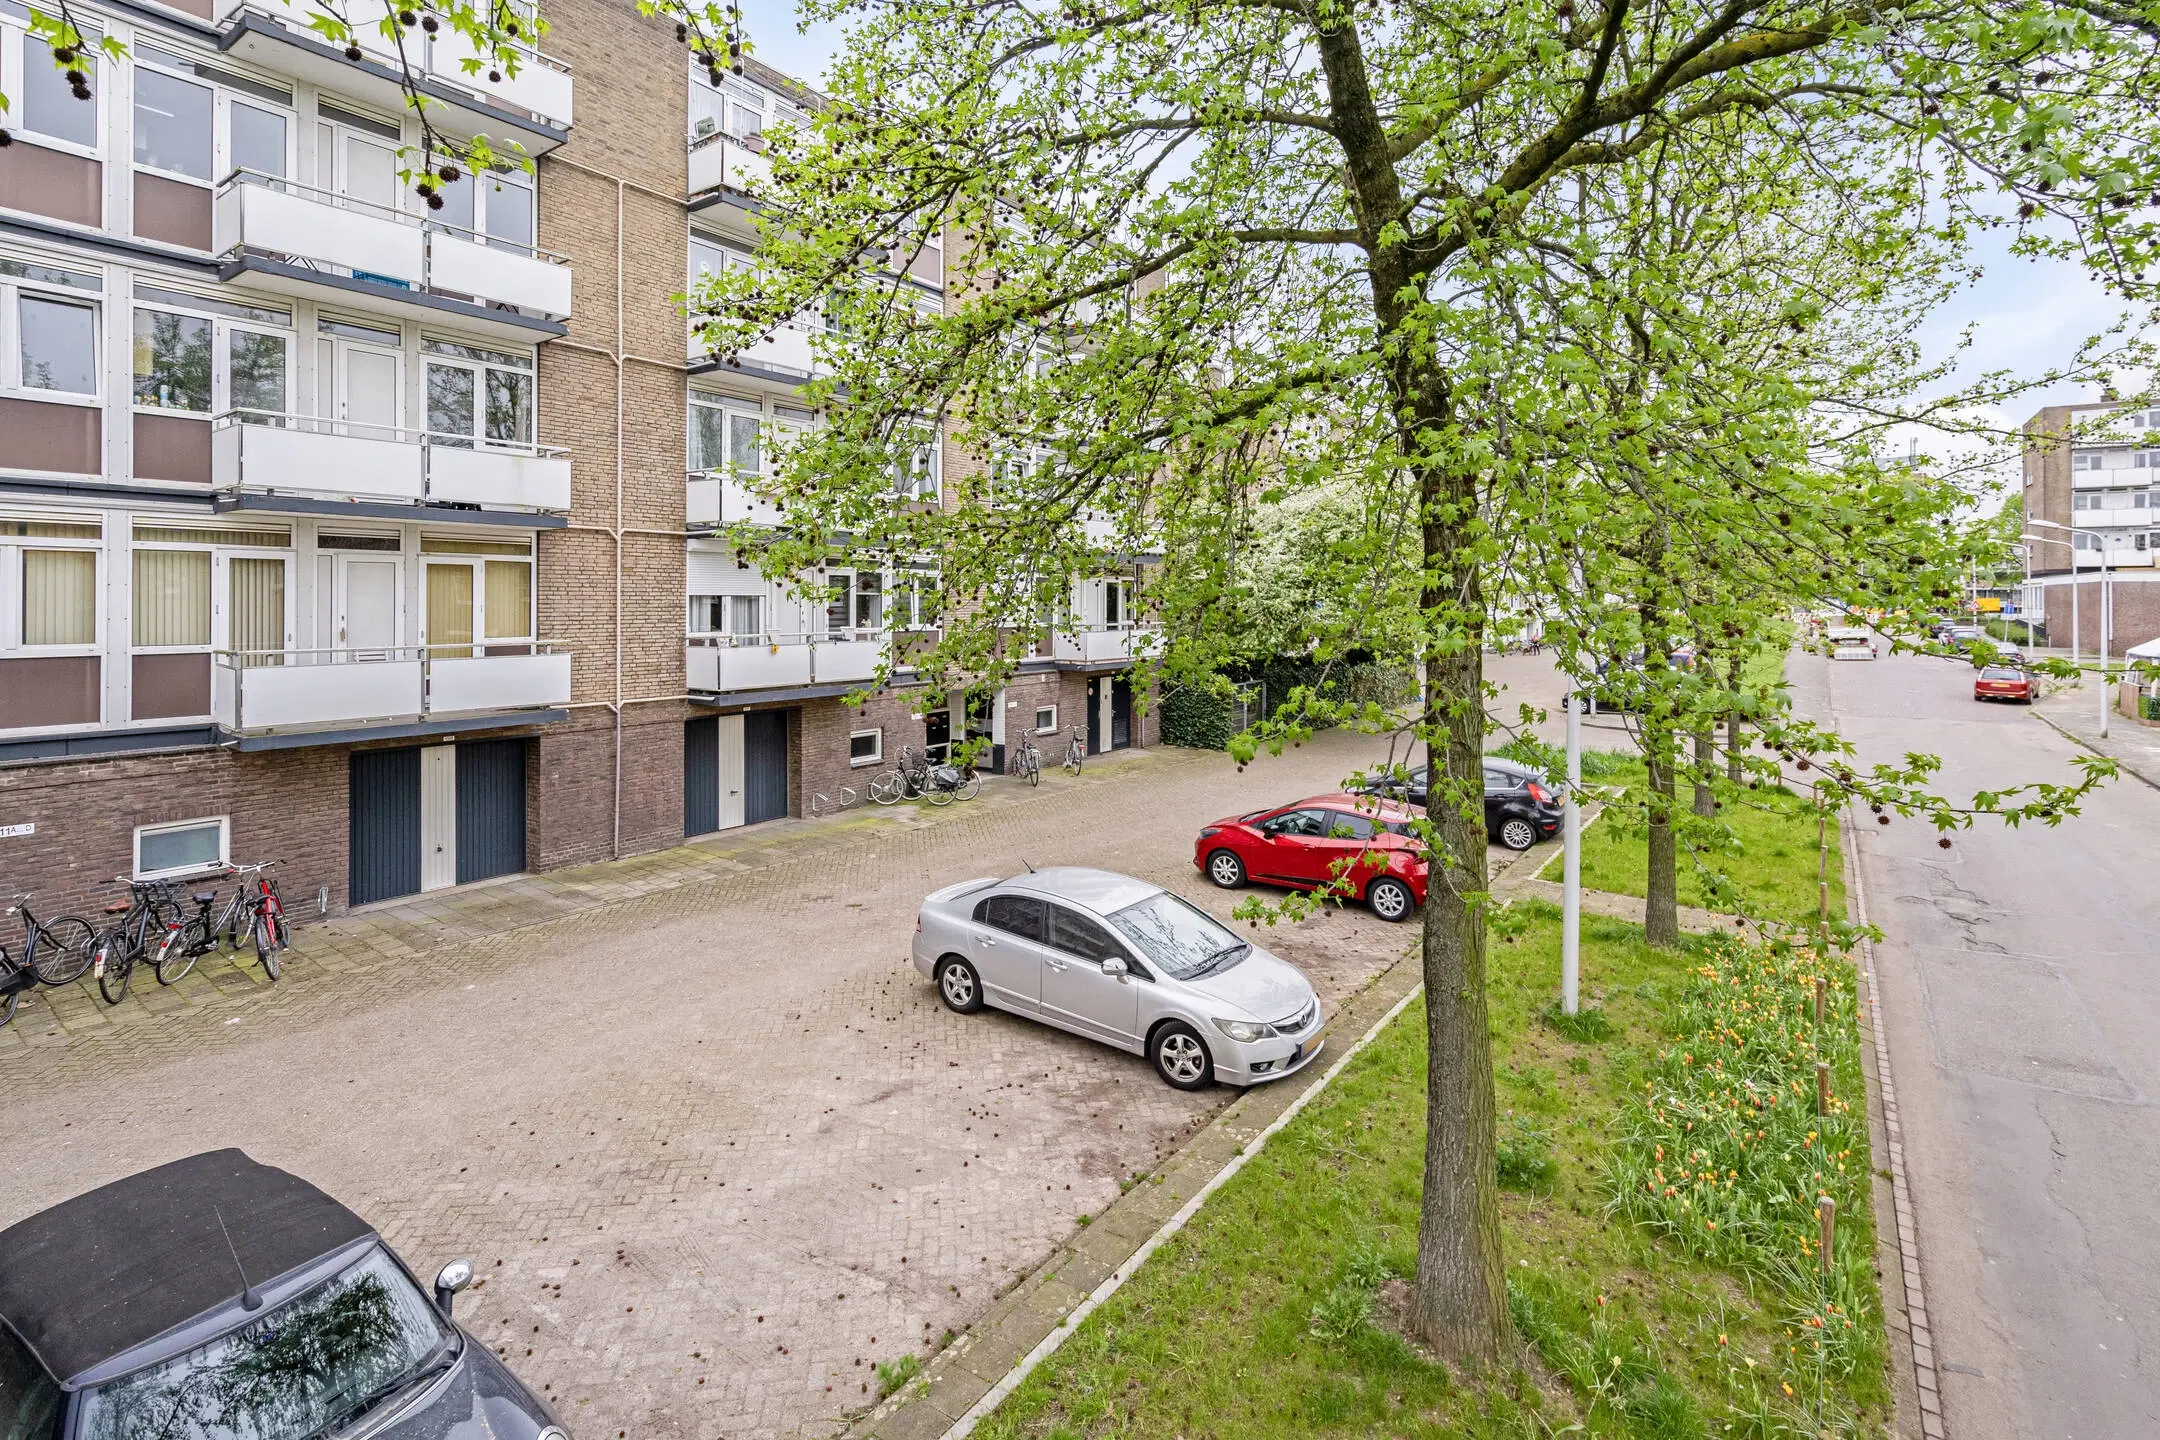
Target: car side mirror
{"type": "Point", "coordinates": [452, 1278]}
{"type": "Point", "coordinates": [1116, 966]}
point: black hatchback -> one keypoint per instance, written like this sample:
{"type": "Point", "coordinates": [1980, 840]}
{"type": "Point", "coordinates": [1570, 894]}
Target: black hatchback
{"type": "Point", "coordinates": [217, 1297]}
{"type": "Point", "coordinates": [1522, 807]}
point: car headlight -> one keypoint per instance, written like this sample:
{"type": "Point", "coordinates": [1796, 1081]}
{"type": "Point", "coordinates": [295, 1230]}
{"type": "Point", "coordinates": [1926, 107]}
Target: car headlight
{"type": "Point", "coordinates": [1244, 1031]}
{"type": "Point", "coordinates": [1211, 830]}
{"type": "Point", "coordinates": [553, 1432]}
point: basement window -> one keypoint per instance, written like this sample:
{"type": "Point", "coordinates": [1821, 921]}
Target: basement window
{"type": "Point", "coordinates": [181, 848]}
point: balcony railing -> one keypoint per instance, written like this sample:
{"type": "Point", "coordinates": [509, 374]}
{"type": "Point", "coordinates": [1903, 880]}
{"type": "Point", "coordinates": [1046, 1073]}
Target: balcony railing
{"type": "Point", "coordinates": [1105, 644]}
{"type": "Point", "coordinates": [719, 664]}
{"type": "Point", "coordinates": [713, 499]}
{"type": "Point", "coordinates": [254, 692]}
{"type": "Point", "coordinates": [265, 214]}
{"type": "Point", "coordinates": [787, 351]}
{"type": "Point", "coordinates": [718, 159]}
{"type": "Point", "coordinates": [542, 87]}
{"type": "Point", "coordinates": [265, 453]}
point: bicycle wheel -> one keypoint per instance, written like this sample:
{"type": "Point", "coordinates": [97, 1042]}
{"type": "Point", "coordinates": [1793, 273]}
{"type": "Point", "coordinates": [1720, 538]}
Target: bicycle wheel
{"type": "Point", "coordinates": [114, 965]}
{"type": "Point", "coordinates": [969, 788]}
{"type": "Point", "coordinates": [888, 788]}
{"type": "Point", "coordinates": [176, 955]}
{"type": "Point", "coordinates": [8, 1002]}
{"type": "Point", "coordinates": [267, 944]}
{"type": "Point", "coordinates": [61, 952]}
{"type": "Point", "coordinates": [1034, 769]}
{"type": "Point", "coordinates": [936, 793]}
{"type": "Point", "coordinates": [1072, 760]}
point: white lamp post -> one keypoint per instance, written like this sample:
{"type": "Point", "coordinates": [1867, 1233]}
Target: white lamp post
{"type": "Point", "coordinates": [2077, 570]}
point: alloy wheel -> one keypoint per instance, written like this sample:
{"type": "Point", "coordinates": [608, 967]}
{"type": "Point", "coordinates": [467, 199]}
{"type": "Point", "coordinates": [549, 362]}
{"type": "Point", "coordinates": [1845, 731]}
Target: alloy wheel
{"type": "Point", "coordinates": [959, 986]}
{"type": "Point", "coordinates": [1183, 1058]}
{"type": "Point", "coordinates": [1389, 900]}
{"type": "Point", "coordinates": [1516, 834]}
{"type": "Point", "coordinates": [1224, 870]}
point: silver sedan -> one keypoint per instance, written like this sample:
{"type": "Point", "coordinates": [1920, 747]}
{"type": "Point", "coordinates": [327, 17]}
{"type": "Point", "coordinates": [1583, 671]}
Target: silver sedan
{"type": "Point", "coordinates": [1125, 962]}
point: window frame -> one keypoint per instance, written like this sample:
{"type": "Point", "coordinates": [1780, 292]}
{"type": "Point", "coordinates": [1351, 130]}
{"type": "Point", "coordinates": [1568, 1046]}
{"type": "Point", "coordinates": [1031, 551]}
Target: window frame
{"type": "Point", "coordinates": [876, 734]}
{"type": "Point", "coordinates": [481, 641]}
{"type": "Point", "coordinates": [477, 363]}
{"type": "Point", "coordinates": [221, 556]}
{"type": "Point", "coordinates": [13, 288]}
{"type": "Point", "coordinates": [222, 326]}
{"type": "Point", "coordinates": [12, 645]}
{"type": "Point", "coordinates": [225, 89]}
{"type": "Point", "coordinates": [224, 829]}
{"type": "Point", "coordinates": [15, 39]}
{"type": "Point", "coordinates": [1052, 727]}
{"type": "Point", "coordinates": [844, 581]}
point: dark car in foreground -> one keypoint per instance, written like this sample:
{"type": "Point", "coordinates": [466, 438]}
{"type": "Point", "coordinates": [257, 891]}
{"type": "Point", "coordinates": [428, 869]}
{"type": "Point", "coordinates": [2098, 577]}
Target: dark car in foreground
{"type": "Point", "coordinates": [216, 1298]}
{"type": "Point", "coordinates": [1522, 806]}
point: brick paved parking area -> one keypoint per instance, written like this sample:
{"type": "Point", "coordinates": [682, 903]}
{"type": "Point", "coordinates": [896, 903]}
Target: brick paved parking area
{"type": "Point", "coordinates": [711, 1143]}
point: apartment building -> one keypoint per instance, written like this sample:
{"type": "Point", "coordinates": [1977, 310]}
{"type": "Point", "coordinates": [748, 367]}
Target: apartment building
{"type": "Point", "coordinates": [780, 661]}
{"type": "Point", "coordinates": [2092, 477]}
{"type": "Point", "coordinates": [378, 538]}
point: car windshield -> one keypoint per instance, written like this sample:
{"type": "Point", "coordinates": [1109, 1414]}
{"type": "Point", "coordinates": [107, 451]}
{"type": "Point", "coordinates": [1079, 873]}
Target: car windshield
{"type": "Point", "coordinates": [29, 1401]}
{"type": "Point", "coordinates": [2000, 672]}
{"type": "Point", "coordinates": [1182, 939]}
{"type": "Point", "coordinates": [311, 1366]}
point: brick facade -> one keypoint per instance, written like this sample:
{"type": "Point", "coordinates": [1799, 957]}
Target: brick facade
{"type": "Point", "coordinates": [2136, 601]}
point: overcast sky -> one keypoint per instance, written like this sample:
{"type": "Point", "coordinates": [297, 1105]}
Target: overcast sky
{"type": "Point", "coordinates": [2025, 316]}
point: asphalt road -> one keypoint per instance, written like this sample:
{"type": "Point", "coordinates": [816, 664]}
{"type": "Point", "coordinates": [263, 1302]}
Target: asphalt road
{"type": "Point", "coordinates": [2022, 1002]}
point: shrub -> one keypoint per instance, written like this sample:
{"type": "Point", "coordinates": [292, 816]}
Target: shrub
{"type": "Point", "coordinates": [1596, 764]}
{"type": "Point", "coordinates": [1195, 719]}
{"type": "Point", "coordinates": [2013, 631]}
{"type": "Point", "coordinates": [892, 1374]}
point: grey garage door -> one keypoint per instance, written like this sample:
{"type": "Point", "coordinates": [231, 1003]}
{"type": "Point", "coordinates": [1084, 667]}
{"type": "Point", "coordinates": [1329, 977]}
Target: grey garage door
{"type": "Point", "coordinates": [701, 776]}
{"type": "Point", "coordinates": [385, 825]}
{"type": "Point", "coordinates": [765, 784]}
{"type": "Point", "coordinates": [490, 809]}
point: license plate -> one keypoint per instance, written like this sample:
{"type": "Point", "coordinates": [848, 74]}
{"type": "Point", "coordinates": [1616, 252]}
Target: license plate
{"type": "Point", "coordinates": [1309, 1048]}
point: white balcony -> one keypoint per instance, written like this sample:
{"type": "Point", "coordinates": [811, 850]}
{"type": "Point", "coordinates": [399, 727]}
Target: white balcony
{"type": "Point", "coordinates": [257, 692]}
{"type": "Point", "coordinates": [786, 353]}
{"type": "Point", "coordinates": [718, 160]}
{"type": "Point", "coordinates": [535, 678]}
{"type": "Point", "coordinates": [722, 664]}
{"type": "Point", "coordinates": [275, 33]}
{"type": "Point", "coordinates": [1105, 644]}
{"type": "Point", "coordinates": [259, 453]}
{"type": "Point", "coordinates": [713, 501]}
{"type": "Point", "coordinates": [262, 215]}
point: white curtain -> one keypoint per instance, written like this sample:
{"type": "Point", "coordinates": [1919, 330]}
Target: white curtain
{"type": "Point", "coordinates": [59, 597]}
{"type": "Point", "coordinates": [172, 597]}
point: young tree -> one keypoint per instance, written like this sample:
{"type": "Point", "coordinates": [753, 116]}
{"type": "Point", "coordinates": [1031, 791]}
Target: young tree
{"type": "Point", "coordinates": [1175, 230]}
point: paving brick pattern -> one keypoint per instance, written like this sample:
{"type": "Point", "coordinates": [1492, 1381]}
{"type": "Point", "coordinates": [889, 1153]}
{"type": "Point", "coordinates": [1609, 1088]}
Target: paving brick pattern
{"type": "Point", "coordinates": [711, 1143]}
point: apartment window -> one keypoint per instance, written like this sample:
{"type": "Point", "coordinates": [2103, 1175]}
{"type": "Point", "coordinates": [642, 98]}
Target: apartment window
{"type": "Point", "coordinates": [478, 396]}
{"type": "Point", "coordinates": [725, 435]}
{"type": "Point", "coordinates": [742, 616]}
{"type": "Point", "coordinates": [48, 331]}
{"type": "Point", "coordinates": [219, 588]}
{"type": "Point", "coordinates": [2087, 460]}
{"type": "Point", "coordinates": [1046, 720]}
{"type": "Point", "coordinates": [45, 106]}
{"type": "Point", "coordinates": [182, 848]}
{"type": "Point", "coordinates": [1117, 603]}
{"type": "Point", "coordinates": [197, 122]}
{"type": "Point", "coordinates": [712, 256]}
{"type": "Point", "coordinates": [2085, 502]}
{"type": "Point", "coordinates": [857, 601]}
{"type": "Point", "coordinates": [49, 587]}
{"type": "Point", "coordinates": [736, 108]}
{"type": "Point", "coordinates": [865, 747]}
{"type": "Point", "coordinates": [915, 599]}
{"type": "Point", "coordinates": [479, 597]}
{"type": "Point", "coordinates": [917, 477]}
{"type": "Point", "coordinates": [212, 356]}
{"type": "Point", "coordinates": [2085, 540]}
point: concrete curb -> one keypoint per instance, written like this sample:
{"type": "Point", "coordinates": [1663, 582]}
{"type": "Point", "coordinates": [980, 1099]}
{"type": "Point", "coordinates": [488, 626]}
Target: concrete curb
{"type": "Point", "coordinates": [1919, 1334]}
{"type": "Point", "coordinates": [2084, 744]}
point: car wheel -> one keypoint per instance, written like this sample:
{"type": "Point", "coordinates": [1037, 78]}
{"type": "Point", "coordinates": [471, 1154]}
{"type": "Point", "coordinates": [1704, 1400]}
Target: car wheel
{"type": "Point", "coordinates": [1517, 833]}
{"type": "Point", "coordinates": [959, 986]}
{"type": "Point", "coordinates": [1181, 1057]}
{"type": "Point", "coordinates": [1390, 899]}
{"type": "Point", "coordinates": [1225, 869]}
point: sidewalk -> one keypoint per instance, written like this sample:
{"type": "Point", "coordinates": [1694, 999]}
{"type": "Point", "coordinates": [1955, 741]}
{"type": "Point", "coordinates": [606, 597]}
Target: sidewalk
{"type": "Point", "coordinates": [2075, 712]}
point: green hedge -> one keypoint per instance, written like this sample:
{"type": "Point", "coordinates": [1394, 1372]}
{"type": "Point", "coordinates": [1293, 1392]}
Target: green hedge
{"type": "Point", "coordinates": [1196, 720]}
{"type": "Point", "coordinates": [2012, 631]}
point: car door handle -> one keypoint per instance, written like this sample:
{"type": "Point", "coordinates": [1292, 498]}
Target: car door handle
{"type": "Point", "coordinates": [987, 939]}
{"type": "Point", "coordinates": [1055, 964]}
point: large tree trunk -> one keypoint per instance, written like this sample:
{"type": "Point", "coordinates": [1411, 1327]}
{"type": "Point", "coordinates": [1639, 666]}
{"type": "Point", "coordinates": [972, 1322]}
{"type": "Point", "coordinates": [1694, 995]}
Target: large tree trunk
{"type": "Point", "coordinates": [1459, 1301]}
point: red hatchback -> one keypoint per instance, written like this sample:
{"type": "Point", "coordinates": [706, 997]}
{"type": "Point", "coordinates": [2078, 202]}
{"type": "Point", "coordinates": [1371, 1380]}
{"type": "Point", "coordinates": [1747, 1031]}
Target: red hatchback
{"type": "Point", "coordinates": [1309, 844]}
{"type": "Point", "coordinates": [2003, 682]}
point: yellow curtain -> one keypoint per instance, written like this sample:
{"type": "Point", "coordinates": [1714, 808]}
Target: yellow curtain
{"type": "Point", "coordinates": [172, 597]}
{"type": "Point", "coordinates": [509, 600]}
{"type": "Point", "coordinates": [59, 597]}
{"type": "Point", "coordinates": [450, 611]}
{"type": "Point", "coordinates": [258, 609]}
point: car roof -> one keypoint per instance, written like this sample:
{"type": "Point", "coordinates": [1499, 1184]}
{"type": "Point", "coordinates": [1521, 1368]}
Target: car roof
{"type": "Point", "coordinates": [98, 1275]}
{"type": "Point", "coordinates": [1103, 891]}
{"type": "Point", "coordinates": [1363, 804]}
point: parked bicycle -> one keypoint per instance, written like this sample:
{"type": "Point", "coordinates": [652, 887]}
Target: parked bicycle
{"type": "Point", "coordinates": [905, 781]}
{"type": "Point", "coordinates": [204, 931]}
{"type": "Point", "coordinates": [947, 783]}
{"type": "Point", "coordinates": [263, 915]}
{"type": "Point", "coordinates": [148, 911]}
{"type": "Point", "coordinates": [1026, 762]}
{"type": "Point", "coordinates": [1075, 749]}
{"type": "Point", "coordinates": [56, 952]}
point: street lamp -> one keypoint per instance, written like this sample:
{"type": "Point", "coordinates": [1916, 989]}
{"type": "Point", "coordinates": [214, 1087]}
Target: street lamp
{"type": "Point", "coordinates": [2106, 607]}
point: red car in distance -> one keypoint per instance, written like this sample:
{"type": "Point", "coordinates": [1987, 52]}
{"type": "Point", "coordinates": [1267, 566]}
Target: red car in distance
{"type": "Point", "coordinates": [2003, 682]}
{"type": "Point", "coordinates": [1309, 844]}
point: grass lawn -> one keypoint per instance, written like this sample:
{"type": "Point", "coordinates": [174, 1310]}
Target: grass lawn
{"type": "Point", "coordinates": [1758, 854]}
{"type": "Point", "coordinates": [1267, 1315]}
